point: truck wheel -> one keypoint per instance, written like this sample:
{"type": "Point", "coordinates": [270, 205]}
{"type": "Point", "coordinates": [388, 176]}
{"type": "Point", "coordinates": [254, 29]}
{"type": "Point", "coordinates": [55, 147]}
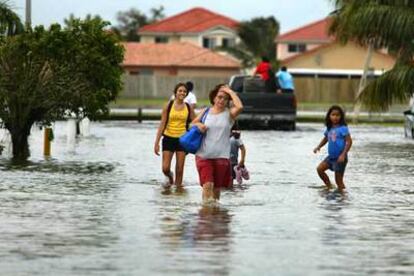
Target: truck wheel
{"type": "Point", "coordinates": [272, 125]}
{"type": "Point", "coordinates": [291, 126]}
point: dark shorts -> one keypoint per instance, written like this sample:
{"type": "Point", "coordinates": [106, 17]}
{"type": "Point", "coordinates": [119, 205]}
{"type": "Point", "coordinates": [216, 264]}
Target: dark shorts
{"type": "Point", "coordinates": [171, 144]}
{"type": "Point", "coordinates": [335, 166]}
{"type": "Point", "coordinates": [214, 170]}
{"type": "Point", "coordinates": [288, 91]}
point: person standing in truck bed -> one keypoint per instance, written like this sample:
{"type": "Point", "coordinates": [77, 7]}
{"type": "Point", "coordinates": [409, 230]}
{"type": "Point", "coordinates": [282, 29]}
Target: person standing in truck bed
{"type": "Point", "coordinates": [264, 69]}
{"type": "Point", "coordinates": [285, 80]}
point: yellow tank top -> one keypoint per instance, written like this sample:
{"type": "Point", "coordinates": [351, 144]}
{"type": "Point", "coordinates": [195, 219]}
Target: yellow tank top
{"type": "Point", "coordinates": [176, 122]}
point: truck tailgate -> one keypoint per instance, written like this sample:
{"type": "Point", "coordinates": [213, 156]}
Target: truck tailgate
{"type": "Point", "coordinates": [261, 103]}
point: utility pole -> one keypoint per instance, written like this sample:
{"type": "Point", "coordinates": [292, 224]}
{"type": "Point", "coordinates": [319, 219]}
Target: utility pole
{"type": "Point", "coordinates": [28, 13]}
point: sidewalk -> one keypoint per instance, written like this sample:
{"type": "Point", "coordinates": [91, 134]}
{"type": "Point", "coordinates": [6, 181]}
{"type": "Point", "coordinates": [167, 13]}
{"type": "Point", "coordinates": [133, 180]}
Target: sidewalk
{"type": "Point", "coordinates": [302, 116]}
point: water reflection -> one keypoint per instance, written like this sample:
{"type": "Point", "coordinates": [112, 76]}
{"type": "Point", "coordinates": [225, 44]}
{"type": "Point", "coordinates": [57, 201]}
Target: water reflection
{"type": "Point", "coordinates": [213, 227]}
{"type": "Point", "coordinates": [206, 234]}
{"type": "Point", "coordinates": [56, 219]}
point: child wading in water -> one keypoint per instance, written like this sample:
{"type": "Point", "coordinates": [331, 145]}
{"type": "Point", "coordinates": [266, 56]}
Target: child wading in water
{"type": "Point", "coordinates": [339, 142]}
{"type": "Point", "coordinates": [235, 144]}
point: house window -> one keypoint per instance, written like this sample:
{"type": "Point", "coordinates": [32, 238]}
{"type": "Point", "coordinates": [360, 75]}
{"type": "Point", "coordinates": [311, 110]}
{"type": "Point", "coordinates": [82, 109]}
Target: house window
{"type": "Point", "coordinates": [134, 72]}
{"type": "Point", "coordinates": [146, 72]}
{"type": "Point", "coordinates": [296, 48]}
{"type": "Point", "coordinates": [209, 42]}
{"type": "Point", "coordinates": [173, 71]}
{"type": "Point", "coordinates": [228, 42]}
{"type": "Point", "coordinates": [161, 39]}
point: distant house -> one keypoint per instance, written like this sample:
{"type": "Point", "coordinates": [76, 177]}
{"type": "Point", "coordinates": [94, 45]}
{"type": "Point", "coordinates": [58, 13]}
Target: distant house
{"type": "Point", "coordinates": [324, 70]}
{"type": "Point", "coordinates": [176, 59]}
{"type": "Point", "coordinates": [311, 47]}
{"type": "Point", "coordinates": [198, 26]}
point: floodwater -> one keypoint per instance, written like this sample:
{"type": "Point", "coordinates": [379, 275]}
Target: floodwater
{"type": "Point", "coordinates": [97, 208]}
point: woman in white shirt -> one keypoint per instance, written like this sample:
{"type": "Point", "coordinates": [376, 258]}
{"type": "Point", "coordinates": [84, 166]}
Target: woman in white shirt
{"type": "Point", "coordinates": [213, 157]}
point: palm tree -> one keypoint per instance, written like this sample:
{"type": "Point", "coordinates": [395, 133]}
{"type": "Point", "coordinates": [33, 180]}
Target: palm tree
{"type": "Point", "coordinates": [381, 24]}
{"type": "Point", "coordinates": [10, 23]}
{"type": "Point", "coordinates": [257, 39]}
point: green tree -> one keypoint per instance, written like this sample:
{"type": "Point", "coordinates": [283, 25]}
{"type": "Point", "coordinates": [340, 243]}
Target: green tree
{"type": "Point", "coordinates": [257, 39]}
{"type": "Point", "coordinates": [46, 75]}
{"type": "Point", "coordinates": [157, 14]}
{"type": "Point", "coordinates": [10, 23]}
{"type": "Point", "coordinates": [130, 21]}
{"type": "Point", "coordinates": [381, 24]}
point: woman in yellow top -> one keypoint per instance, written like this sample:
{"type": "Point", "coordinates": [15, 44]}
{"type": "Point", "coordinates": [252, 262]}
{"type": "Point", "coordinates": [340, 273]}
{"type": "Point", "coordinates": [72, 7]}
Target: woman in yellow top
{"type": "Point", "coordinates": [175, 118]}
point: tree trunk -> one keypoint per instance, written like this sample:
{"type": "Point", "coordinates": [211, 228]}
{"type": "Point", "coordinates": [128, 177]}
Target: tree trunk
{"type": "Point", "coordinates": [78, 127]}
{"type": "Point", "coordinates": [362, 84]}
{"type": "Point", "coordinates": [20, 142]}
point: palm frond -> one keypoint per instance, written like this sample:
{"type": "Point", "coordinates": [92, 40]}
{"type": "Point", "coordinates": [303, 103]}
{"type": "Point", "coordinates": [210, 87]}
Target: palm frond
{"type": "Point", "coordinates": [242, 53]}
{"type": "Point", "coordinates": [10, 23]}
{"type": "Point", "coordinates": [374, 22]}
{"type": "Point", "coordinates": [394, 86]}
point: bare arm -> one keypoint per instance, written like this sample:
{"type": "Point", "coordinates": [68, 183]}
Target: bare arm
{"type": "Point", "coordinates": [348, 145]}
{"type": "Point", "coordinates": [237, 107]}
{"type": "Point", "coordinates": [321, 144]}
{"type": "Point", "coordinates": [243, 155]}
{"type": "Point", "coordinates": [197, 121]}
{"type": "Point", "coordinates": [160, 130]}
{"type": "Point", "coordinates": [192, 113]}
{"type": "Point", "coordinates": [255, 72]}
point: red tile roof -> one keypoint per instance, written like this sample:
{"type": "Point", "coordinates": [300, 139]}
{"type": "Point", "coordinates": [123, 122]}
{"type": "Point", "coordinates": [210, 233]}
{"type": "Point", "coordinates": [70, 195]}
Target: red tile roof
{"type": "Point", "coordinates": [178, 54]}
{"type": "Point", "coordinates": [191, 21]}
{"type": "Point", "coordinates": [316, 31]}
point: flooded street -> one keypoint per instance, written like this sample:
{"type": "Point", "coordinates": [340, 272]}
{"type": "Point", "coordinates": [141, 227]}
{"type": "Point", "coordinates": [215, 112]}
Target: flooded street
{"type": "Point", "coordinates": [97, 208]}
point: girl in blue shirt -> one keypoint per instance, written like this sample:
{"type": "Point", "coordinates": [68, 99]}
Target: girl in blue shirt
{"type": "Point", "coordinates": [339, 142]}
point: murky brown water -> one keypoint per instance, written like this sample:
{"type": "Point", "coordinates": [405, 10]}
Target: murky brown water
{"type": "Point", "coordinates": [97, 209]}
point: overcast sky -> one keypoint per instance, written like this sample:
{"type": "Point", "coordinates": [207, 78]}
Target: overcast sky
{"type": "Point", "coordinates": [289, 13]}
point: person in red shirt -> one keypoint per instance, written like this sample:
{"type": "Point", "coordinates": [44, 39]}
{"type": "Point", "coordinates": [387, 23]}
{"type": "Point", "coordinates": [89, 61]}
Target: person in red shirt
{"type": "Point", "coordinates": [264, 69]}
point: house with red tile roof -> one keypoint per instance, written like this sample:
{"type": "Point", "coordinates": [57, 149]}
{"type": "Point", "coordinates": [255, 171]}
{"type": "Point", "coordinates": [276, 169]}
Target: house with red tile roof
{"type": "Point", "coordinates": [311, 47]}
{"type": "Point", "coordinates": [198, 26]}
{"type": "Point", "coordinates": [324, 70]}
{"type": "Point", "coordinates": [176, 59]}
{"type": "Point", "coordinates": [303, 39]}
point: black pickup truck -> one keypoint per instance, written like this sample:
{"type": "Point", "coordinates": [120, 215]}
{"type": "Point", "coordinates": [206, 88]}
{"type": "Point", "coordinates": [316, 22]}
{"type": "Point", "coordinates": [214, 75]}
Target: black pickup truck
{"type": "Point", "coordinates": [263, 110]}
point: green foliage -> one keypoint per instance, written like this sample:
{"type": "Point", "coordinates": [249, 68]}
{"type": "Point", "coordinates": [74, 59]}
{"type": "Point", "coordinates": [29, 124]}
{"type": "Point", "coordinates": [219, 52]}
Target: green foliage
{"type": "Point", "coordinates": [257, 40]}
{"type": "Point", "coordinates": [130, 21]}
{"type": "Point", "coordinates": [259, 36]}
{"type": "Point", "coordinates": [394, 86]}
{"type": "Point", "coordinates": [10, 23]}
{"type": "Point", "coordinates": [381, 24]}
{"type": "Point", "coordinates": [48, 74]}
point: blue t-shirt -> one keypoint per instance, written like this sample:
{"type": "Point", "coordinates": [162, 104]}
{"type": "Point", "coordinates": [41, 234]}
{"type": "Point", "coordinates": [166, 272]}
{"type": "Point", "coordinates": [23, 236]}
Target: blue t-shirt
{"type": "Point", "coordinates": [285, 80]}
{"type": "Point", "coordinates": [336, 140]}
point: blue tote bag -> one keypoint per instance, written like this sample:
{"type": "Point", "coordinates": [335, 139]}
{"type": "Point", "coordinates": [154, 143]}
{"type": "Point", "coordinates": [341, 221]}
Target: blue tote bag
{"type": "Point", "coordinates": [191, 140]}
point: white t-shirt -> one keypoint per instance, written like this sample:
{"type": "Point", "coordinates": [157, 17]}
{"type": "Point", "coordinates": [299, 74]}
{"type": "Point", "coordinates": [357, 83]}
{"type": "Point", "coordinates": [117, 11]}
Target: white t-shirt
{"type": "Point", "coordinates": [191, 98]}
{"type": "Point", "coordinates": [216, 142]}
